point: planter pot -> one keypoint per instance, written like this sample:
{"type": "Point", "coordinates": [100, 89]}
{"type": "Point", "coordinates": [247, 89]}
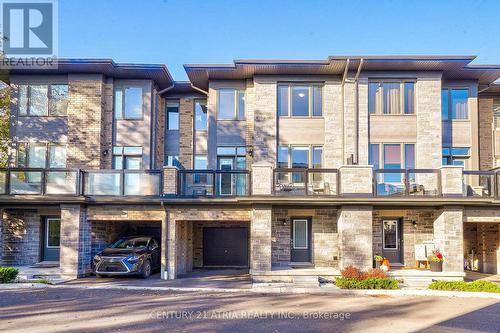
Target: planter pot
{"type": "Point", "coordinates": [436, 266]}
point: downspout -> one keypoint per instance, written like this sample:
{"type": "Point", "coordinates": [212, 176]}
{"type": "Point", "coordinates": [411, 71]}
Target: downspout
{"type": "Point", "coordinates": [356, 146]}
{"type": "Point", "coordinates": [199, 89]}
{"type": "Point", "coordinates": [346, 70]}
{"type": "Point", "coordinates": [166, 89]}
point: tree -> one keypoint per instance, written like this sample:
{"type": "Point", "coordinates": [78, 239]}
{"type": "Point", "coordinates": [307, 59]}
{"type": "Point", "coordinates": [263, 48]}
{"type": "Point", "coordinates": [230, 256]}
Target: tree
{"type": "Point", "coordinates": [4, 124]}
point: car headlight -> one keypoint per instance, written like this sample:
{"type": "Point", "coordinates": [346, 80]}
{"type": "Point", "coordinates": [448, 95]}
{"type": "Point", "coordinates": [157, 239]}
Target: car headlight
{"type": "Point", "coordinates": [133, 259]}
{"type": "Point", "coordinates": [97, 258]}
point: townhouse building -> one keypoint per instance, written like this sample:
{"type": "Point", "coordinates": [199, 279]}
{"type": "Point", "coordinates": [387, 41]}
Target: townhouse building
{"type": "Point", "coordinates": [288, 168]}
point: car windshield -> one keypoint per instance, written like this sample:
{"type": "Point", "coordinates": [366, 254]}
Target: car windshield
{"type": "Point", "coordinates": [131, 243]}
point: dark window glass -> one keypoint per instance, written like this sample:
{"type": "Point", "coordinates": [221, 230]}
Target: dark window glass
{"type": "Point", "coordinates": [283, 157]}
{"type": "Point", "coordinates": [172, 116]}
{"type": "Point", "coordinates": [300, 101]}
{"type": "Point", "coordinates": [283, 100]}
{"type": "Point", "coordinates": [374, 156]}
{"type": "Point", "coordinates": [444, 104]}
{"type": "Point", "coordinates": [409, 97]}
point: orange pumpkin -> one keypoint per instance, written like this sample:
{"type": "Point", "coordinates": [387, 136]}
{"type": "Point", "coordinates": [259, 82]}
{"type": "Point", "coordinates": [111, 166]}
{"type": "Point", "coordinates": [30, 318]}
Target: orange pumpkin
{"type": "Point", "coordinates": [386, 263]}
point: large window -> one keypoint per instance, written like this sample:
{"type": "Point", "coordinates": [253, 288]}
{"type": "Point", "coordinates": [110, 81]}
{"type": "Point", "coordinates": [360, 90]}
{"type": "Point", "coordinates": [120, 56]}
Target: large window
{"type": "Point", "coordinates": [392, 156]}
{"type": "Point", "coordinates": [231, 104]}
{"type": "Point", "coordinates": [41, 155]}
{"type": "Point", "coordinates": [43, 100]}
{"type": "Point", "coordinates": [172, 115]}
{"type": "Point", "coordinates": [304, 100]}
{"type": "Point", "coordinates": [129, 102]}
{"type": "Point", "coordinates": [391, 98]}
{"type": "Point", "coordinates": [454, 104]}
{"type": "Point", "coordinates": [129, 158]}
{"type": "Point", "coordinates": [200, 114]}
{"type": "Point", "coordinates": [301, 157]}
{"type": "Point", "coordinates": [455, 155]}
{"type": "Point", "coordinates": [172, 160]}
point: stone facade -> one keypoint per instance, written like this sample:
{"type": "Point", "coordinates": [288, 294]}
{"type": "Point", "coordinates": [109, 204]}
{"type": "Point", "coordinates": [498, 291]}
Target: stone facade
{"type": "Point", "coordinates": [76, 241]}
{"type": "Point", "coordinates": [418, 233]}
{"type": "Point", "coordinates": [262, 179]}
{"type": "Point", "coordinates": [332, 112]}
{"type": "Point", "coordinates": [264, 121]}
{"type": "Point", "coordinates": [356, 180]}
{"type": "Point", "coordinates": [260, 239]}
{"type": "Point", "coordinates": [107, 126]}
{"type": "Point", "coordinates": [325, 249]}
{"type": "Point", "coordinates": [449, 236]}
{"type": "Point", "coordinates": [355, 236]}
{"type": "Point", "coordinates": [20, 237]}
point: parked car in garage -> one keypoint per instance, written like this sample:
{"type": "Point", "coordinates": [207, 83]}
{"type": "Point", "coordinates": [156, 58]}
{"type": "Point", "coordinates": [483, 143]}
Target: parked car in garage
{"type": "Point", "coordinates": [138, 255]}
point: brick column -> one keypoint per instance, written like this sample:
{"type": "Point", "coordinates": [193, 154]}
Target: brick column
{"type": "Point", "coordinates": [449, 237]}
{"type": "Point", "coordinates": [170, 174]}
{"type": "Point", "coordinates": [75, 255]}
{"type": "Point", "coordinates": [451, 181]}
{"type": "Point", "coordinates": [355, 236]}
{"type": "Point", "coordinates": [163, 247]}
{"type": "Point", "coordinates": [356, 180]}
{"type": "Point", "coordinates": [171, 246]}
{"type": "Point", "coordinates": [262, 179]}
{"type": "Point", "coordinates": [260, 239]}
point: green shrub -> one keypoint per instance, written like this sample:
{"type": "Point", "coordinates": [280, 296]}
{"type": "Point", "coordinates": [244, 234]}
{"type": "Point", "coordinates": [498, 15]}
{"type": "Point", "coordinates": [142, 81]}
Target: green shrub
{"type": "Point", "coordinates": [485, 286]}
{"type": "Point", "coordinates": [368, 283]}
{"type": "Point", "coordinates": [8, 274]}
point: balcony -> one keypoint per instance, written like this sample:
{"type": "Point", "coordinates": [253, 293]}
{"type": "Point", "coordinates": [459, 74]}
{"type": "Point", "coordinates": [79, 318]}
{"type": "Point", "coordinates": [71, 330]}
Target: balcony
{"type": "Point", "coordinates": [348, 181]}
{"type": "Point", "coordinates": [210, 183]}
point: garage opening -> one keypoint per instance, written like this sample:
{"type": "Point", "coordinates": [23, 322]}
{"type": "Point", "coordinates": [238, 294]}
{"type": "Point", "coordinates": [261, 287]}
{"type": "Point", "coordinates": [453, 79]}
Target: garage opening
{"type": "Point", "coordinates": [482, 247]}
{"type": "Point", "coordinates": [106, 233]}
{"type": "Point", "coordinates": [225, 247]}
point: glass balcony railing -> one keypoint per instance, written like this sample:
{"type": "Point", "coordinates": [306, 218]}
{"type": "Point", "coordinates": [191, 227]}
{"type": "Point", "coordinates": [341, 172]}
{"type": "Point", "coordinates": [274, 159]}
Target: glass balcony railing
{"type": "Point", "coordinates": [207, 183]}
{"type": "Point", "coordinates": [301, 181]}
{"type": "Point", "coordinates": [480, 184]}
{"type": "Point", "coordinates": [20, 181]}
{"type": "Point", "coordinates": [407, 182]}
{"type": "Point", "coordinates": [122, 183]}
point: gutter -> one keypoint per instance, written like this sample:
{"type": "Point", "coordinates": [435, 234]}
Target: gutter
{"type": "Point", "coordinates": [198, 89]}
{"type": "Point", "coordinates": [166, 89]}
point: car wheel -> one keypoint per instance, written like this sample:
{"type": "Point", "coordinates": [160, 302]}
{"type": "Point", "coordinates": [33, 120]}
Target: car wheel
{"type": "Point", "coordinates": [146, 270]}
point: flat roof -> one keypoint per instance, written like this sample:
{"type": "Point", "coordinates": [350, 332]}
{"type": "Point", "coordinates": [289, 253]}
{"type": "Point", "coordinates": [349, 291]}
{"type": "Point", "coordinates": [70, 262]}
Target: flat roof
{"type": "Point", "coordinates": [156, 72]}
{"type": "Point", "coordinates": [453, 67]}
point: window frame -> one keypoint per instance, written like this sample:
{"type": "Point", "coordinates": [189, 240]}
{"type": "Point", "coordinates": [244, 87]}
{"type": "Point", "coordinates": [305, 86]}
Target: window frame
{"type": "Point", "coordinates": [237, 94]}
{"type": "Point", "coordinates": [49, 98]}
{"type": "Point", "coordinates": [402, 152]}
{"type": "Point", "coordinates": [311, 103]}
{"type": "Point", "coordinates": [310, 147]}
{"type": "Point", "coordinates": [47, 146]}
{"type": "Point", "coordinates": [167, 125]}
{"type": "Point", "coordinates": [124, 157]}
{"type": "Point", "coordinates": [449, 90]}
{"type": "Point", "coordinates": [451, 157]}
{"type": "Point", "coordinates": [122, 87]}
{"type": "Point", "coordinates": [379, 107]}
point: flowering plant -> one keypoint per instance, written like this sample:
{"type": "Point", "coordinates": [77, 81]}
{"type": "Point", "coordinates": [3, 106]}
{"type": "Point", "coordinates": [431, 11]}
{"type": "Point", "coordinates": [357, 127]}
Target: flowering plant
{"type": "Point", "coordinates": [436, 256]}
{"type": "Point", "coordinates": [378, 258]}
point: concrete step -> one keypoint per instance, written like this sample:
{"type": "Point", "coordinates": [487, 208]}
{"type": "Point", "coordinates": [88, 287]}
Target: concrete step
{"type": "Point", "coordinates": [306, 281]}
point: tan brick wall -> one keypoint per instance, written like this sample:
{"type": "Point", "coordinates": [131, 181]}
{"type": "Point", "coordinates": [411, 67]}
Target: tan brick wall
{"type": "Point", "coordinates": [186, 125]}
{"type": "Point", "coordinates": [125, 213]}
{"type": "Point", "coordinates": [107, 126]}
{"type": "Point", "coordinates": [159, 127]}
{"type": "Point", "coordinates": [85, 105]}
{"type": "Point", "coordinates": [485, 133]}
{"type": "Point", "coordinates": [356, 180]}
{"type": "Point", "coordinates": [260, 239]}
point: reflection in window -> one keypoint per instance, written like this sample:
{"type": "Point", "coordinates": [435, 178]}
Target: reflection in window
{"type": "Point", "coordinates": [454, 104]}
{"type": "Point", "coordinates": [128, 158]}
{"type": "Point", "coordinates": [57, 156]}
{"type": "Point", "coordinates": [392, 160]}
{"type": "Point", "coordinates": [300, 100]}
{"type": "Point", "coordinates": [392, 98]}
{"type": "Point", "coordinates": [38, 105]}
{"type": "Point", "coordinates": [374, 156]}
{"type": "Point", "coordinates": [455, 155]}
{"type": "Point", "coordinates": [172, 115]}
{"type": "Point", "coordinates": [129, 102]}
{"type": "Point", "coordinates": [201, 120]}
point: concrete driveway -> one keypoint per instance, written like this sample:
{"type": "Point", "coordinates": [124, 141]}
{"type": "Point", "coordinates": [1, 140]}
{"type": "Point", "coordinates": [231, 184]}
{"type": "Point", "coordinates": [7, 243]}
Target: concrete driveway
{"type": "Point", "coordinates": [199, 278]}
{"type": "Point", "coordinates": [62, 308]}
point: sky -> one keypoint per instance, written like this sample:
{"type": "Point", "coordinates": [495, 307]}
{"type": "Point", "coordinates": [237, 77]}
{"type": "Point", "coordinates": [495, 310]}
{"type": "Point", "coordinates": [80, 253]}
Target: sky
{"type": "Point", "coordinates": [175, 32]}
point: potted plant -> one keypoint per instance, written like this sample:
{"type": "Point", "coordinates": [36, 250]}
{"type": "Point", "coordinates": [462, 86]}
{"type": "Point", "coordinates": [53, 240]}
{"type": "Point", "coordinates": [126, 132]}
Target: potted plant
{"type": "Point", "coordinates": [378, 259]}
{"type": "Point", "coordinates": [436, 261]}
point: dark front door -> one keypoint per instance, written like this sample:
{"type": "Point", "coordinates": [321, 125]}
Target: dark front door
{"type": "Point", "coordinates": [225, 247]}
{"type": "Point", "coordinates": [300, 240]}
{"type": "Point", "coordinates": [52, 236]}
{"type": "Point", "coordinates": [392, 245]}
